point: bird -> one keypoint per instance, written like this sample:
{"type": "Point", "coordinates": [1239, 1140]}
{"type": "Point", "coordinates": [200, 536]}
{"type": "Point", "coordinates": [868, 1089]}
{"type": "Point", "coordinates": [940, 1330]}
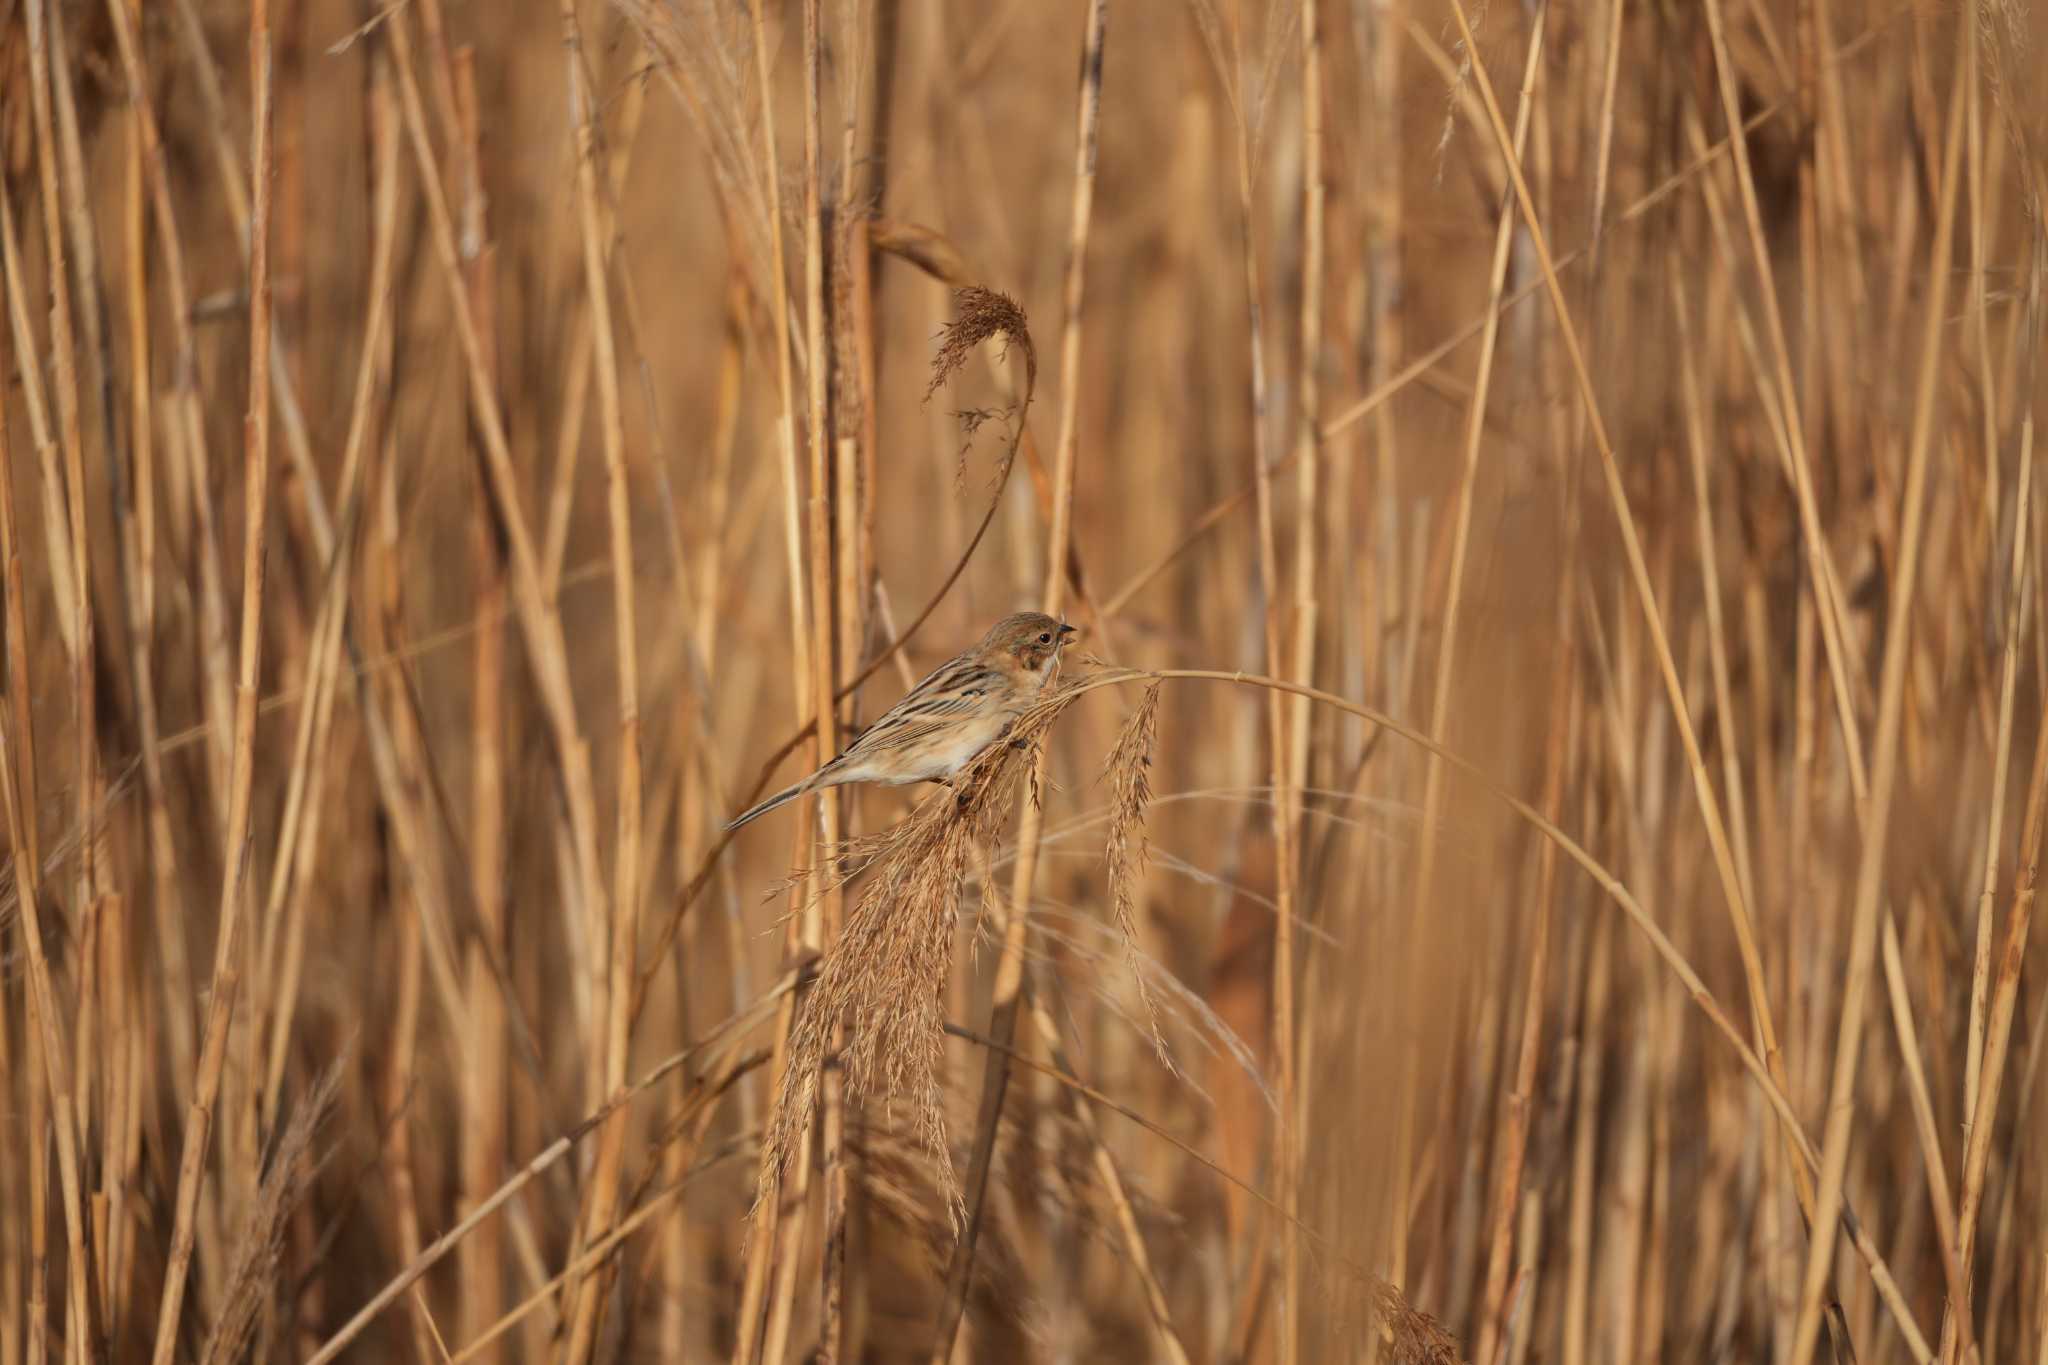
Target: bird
{"type": "Point", "coordinates": [964, 705]}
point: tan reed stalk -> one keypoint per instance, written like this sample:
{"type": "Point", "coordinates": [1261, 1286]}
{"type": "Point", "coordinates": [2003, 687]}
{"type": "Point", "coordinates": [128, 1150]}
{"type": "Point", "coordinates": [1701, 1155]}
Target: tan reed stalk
{"type": "Point", "coordinates": [2010, 1258]}
{"type": "Point", "coordinates": [1009, 985]}
{"type": "Point", "coordinates": [1286, 1138]}
{"type": "Point", "coordinates": [84, 335]}
{"type": "Point", "coordinates": [137, 529]}
{"type": "Point", "coordinates": [764, 1239]}
{"type": "Point", "coordinates": [539, 621]}
{"type": "Point", "coordinates": [1512, 1150]}
{"type": "Point", "coordinates": [400, 1070]}
{"type": "Point", "coordinates": [1609, 883]}
{"type": "Point", "coordinates": [1106, 1171]}
{"type": "Point", "coordinates": [1585, 1102]}
{"type": "Point", "coordinates": [39, 1193]}
{"type": "Point", "coordinates": [68, 242]}
{"type": "Point", "coordinates": [2024, 510]}
{"type": "Point", "coordinates": [1788, 428]}
{"type": "Point", "coordinates": [301, 477]}
{"type": "Point", "coordinates": [721, 1036]}
{"type": "Point", "coordinates": [1999, 1016]}
{"type": "Point", "coordinates": [710, 788]}
{"type": "Point", "coordinates": [480, 1260]}
{"type": "Point", "coordinates": [1945, 1218]}
{"type": "Point", "coordinates": [644, 1208]}
{"type": "Point", "coordinates": [1381, 205]}
{"type": "Point", "coordinates": [42, 430]}
{"type": "Point", "coordinates": [1295, 765]}
{"type": "Point", "coordinates": [283, 924]}
{"type": "Point", "coordinates": [1616, 890]}
{"type": "Point", "coordinates": [609, 1046]}
{"type": "Point", "coordinates": [825, 594]}
{"type": "Point", "coordinates": [45, 1019]}
{"type": "Point", "coordinates": [820, 902]}
{"type": "Point", "coordinates": [1716, 830]}
{"type": "Point", "coordinates": [1980, 974]}
{"type": "Point", "coordinates": [213, 667]}
{"type": "Point", "coordinates": [1377, 400]}
{"type": "Point", "coordinates": [1697, 445]}
{"type": "Point", "coordinates": [1447, 640]}
{"type": "Point", "coordinates": [769, 1237]}
{"type": "Point", "coordinates": [236, 844]}
{"type": "Point", "coordinates": [64, 499]}
{"type": "Point", "coordinates": [1939, 1199]}
{"type": "Point", "coordinates": [1884, 763]}
{"type": "Point", "coordinates": [14, 1298]}
{"type": "Point", "coordinates": [854, 518]}
{"type": "Point", "coordinates": [538, 617]}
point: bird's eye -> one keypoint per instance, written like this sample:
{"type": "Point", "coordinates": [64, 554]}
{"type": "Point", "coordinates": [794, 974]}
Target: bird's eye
{"type": "Point", "coordinates": [1046, 638]}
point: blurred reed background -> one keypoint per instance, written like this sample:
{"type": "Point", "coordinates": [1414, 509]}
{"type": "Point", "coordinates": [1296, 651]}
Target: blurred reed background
{"type": "Point", "coordinates": [454, 449]}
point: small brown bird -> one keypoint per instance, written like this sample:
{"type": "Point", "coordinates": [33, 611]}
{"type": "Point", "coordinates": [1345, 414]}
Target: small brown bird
{"type": "Point", "coordinates": [963, 706]}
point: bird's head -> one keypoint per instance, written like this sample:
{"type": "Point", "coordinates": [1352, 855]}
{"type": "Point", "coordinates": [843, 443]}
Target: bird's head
{"type": "Point", "coordinates": [1030, 641]}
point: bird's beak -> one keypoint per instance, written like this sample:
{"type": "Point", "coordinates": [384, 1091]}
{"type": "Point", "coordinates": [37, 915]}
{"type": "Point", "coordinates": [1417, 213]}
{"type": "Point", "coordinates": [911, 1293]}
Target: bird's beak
{"type": "Point", "coordinates": [1066, 629]}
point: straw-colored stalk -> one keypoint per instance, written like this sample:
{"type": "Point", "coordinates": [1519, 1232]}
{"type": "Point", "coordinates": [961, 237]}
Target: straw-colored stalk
{"type": "Point", "coordinates": [1445, 671]}
{"type": "Point", "coordinates": [1009, 985]}
{"type": "Point", "coordinates": [618, 932]}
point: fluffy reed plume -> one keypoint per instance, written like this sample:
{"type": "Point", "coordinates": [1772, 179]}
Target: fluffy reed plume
{"type": "Point", "coordinates": [981, 315]}
{"type": "Point", "coordinates": [1411, 1336]}
{"type": "Point", "coordinates": [254, 1281]}
{"type": "Point", "coordinates": [1129, 771]}
{"type": "Point", "coordinates": [885, 976]}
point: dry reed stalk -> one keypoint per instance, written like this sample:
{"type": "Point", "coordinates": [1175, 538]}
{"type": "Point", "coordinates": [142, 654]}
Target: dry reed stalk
{"type": "Point", "coordinates": [187, 447]}
{"type": "Point", "coordinates": [1112, 1181]}
{"type": "Point", "coordinates": [14, 1296]}
{"type": "Point", "coordinates": [300, 481]}
{"type": "Point", "coordinates": [1716, 830]}
{"type": "Point", "coordinates": [827, 593]}
{"type": "Point", "coordinates": [138, 532]}
{"type": "Point", "coordinates": [1512, 1151]}
{"type": "Point", "coordinates": [646, 1204]}
{"type": "Point", "coordinates": [1788, 429]}
{"type": "Point", "coordinates": [1445, 668]}
{"type": "Point", "coordinates": [59, 549]}
{"type": "Point", "coordinates": [485, 1140]}
{"type": "Point", "coordinates": [1286, 1139]}
{"type": "Point", "coordinates": [817, 920]}
{"type": "Point", "coordinates": [1294, 1101]}
{"type": "Point", "coordinates": [539, 620]}
{"type": "Point", "coordinates": [1998, 1024]}
{"type": "Point", "coordinates": [721, 1036]}
{"type": "Point", "coordinates": [65, 190]}
{"type": "Point", "coordinates": [1009, 984]}
{"type": "Point", "coordinates": [48, 1057]}
{"type": "Point", "coordinates": [1884, 763]}
{"type": "Point", "coordinates": [1377, 400]}
{"type": "Point", "coordinates": [1611, 885]}
{"type": "Point", "coordinates": [292, 871]}
{"type": "Point", "coordinates": [762, 1246]}
{"type": "Point", "coordinates": [609, 1046]}
{"type": "Point", "coordinates": [237, 851]}
{"type": "Point", "coordinates": [63, 490]}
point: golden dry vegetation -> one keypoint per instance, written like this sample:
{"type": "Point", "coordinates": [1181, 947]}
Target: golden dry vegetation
{"type": "Point", "coordinates": [1533, 856]}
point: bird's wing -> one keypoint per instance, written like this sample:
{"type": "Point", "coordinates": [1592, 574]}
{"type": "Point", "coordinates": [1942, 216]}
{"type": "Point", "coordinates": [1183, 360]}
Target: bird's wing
{"type": "Point", "coordinates": [955, 688]}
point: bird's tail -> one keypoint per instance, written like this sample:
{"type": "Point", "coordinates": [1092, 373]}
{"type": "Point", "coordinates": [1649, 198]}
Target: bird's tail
{"type": "Point", "coordinates": [781, 798]}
